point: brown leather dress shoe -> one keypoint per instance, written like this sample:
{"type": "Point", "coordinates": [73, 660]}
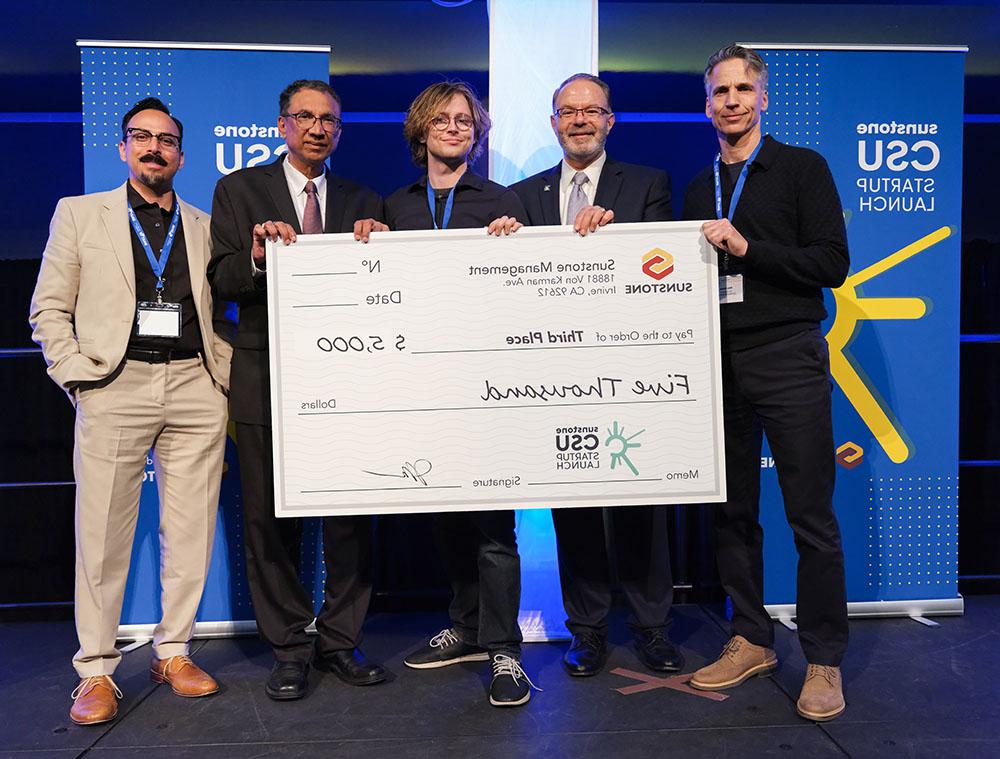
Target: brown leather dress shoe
{"type": "Point", "coordinates": [95, 700]}
{"type": "Point", "coordinates": [740, 660]}
{"type": "Point", "coordinates": [822, 696]}
{"type": "Point", "coordinates": [185, 677]}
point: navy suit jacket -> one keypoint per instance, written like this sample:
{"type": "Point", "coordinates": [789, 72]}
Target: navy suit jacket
{"type": "Point", "coordinates": [633, 192]}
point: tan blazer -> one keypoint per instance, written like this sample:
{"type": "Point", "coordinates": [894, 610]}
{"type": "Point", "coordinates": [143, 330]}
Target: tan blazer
{"type": "Point", "coordinates": [83, 307]}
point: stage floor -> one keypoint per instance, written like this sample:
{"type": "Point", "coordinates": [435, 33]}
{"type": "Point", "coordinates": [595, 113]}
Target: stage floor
{"type": "Point", "coordinates": [912, 691]}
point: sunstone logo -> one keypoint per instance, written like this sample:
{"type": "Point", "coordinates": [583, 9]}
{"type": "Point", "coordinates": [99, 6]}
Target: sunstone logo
{"type": "Point", "coordinates": [657, 264]}
{"type": "Point", "coordinates": [849, 455]}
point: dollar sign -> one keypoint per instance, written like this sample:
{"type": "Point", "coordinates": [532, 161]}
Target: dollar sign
{"type": "Point", "coordinates": [400, 343]}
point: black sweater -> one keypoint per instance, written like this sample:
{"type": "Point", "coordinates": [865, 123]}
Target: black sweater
{"type": "Point", "coordinates": [790, 213]}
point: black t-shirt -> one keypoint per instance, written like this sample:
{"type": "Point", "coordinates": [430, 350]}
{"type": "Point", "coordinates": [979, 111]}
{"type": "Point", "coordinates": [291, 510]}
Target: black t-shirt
{"type": "Point", "coordinates": [729, 175]}
{"type": "Point", "coordinates": [732, 175]}
{"type": "Point", "coordinates": [155, 222]}
{"type": "Point", "coordinates": [440, 202]}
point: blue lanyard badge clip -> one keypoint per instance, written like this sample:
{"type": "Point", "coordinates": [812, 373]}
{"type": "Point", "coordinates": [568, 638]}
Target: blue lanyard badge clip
{"type": "Point", "coordinates": [431, 202]}
{"type": "Point", "coordinates": [738, 189]}
{"type": "Point", "coordinates": [158, 263]}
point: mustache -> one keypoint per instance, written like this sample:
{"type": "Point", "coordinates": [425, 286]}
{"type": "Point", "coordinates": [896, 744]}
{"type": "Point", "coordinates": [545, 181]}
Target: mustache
{"type": "Point", "coordinates": [153, 158]}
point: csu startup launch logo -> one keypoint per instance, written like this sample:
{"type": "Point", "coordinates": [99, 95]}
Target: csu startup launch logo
{"type": "Point", "coordinates": [657, 264]}
{"type": "Point", "coordinates": [580, 447]}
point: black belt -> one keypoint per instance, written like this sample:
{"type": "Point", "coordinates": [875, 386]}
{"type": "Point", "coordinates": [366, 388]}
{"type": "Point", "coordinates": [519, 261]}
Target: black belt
{"type": "Point", "coordinates": [159, 357]}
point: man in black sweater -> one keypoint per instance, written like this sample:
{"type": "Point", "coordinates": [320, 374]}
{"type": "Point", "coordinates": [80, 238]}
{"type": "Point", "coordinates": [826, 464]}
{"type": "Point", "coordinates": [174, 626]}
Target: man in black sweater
{"type": "Point", "coordinates": [779, 231]}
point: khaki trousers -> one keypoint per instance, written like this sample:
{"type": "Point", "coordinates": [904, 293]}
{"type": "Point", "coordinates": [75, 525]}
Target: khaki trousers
{"type": "Point", "coordinates": [178, 411]}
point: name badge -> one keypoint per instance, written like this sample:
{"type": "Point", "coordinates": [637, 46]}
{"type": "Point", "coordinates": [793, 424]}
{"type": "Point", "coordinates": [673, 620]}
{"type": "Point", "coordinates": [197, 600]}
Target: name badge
{"type": "Point", "coordinates": [157, 319]}
{"type": "Point", "coordinates": [731, 288]}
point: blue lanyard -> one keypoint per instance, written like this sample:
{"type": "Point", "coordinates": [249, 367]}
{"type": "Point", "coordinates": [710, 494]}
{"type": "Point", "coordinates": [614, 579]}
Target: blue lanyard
{"type": "Point", "coordinates": [447, 205]}
{"type": "Point", "coordinates": [738, 190]}
{"type": "Point", "coordinates": [158, 264]}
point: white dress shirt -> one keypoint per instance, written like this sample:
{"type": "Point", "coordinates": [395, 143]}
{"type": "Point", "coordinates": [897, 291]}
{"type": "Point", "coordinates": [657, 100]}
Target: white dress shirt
{"type": "Point", "coordinates": [297, 189]}
{"type": "Point", "coordinates": [296, 182]}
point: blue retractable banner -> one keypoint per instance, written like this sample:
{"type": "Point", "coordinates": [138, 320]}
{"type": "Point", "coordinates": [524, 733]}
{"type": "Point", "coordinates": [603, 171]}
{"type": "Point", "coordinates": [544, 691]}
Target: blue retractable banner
{"type": "Point", "coordinates": [889, 122]}
{"type": "Point", "coordinates": [227, 98]}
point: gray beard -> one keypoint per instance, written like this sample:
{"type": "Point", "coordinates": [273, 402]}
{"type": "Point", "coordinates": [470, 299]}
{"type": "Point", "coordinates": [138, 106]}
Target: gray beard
{"type": "Point", "coordinates": [157, 183]}
{"type": "Point", "coordinates": [590, 156]}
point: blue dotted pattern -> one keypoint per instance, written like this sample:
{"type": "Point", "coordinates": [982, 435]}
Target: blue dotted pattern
{"type": "Point", "coordinates": [794, 94]}
{"type": "Point", "coordinates": [912, 536]}
{"type": "Point", "coordinates": [115, 79]}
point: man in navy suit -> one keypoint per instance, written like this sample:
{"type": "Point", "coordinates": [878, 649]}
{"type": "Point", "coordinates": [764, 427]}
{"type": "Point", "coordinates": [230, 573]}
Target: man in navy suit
{"type": "Point", "coordinates": [588, 189]}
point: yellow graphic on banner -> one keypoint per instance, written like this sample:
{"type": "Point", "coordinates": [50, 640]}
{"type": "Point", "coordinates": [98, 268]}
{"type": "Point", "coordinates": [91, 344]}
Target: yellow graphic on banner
{"type": "Point", "coordinates": [852, 309]}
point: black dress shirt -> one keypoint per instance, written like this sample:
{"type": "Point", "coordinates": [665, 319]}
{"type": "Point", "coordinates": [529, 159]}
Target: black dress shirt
{"type": "Point", "coordinates": [155, 222]}
{"type": "Point", "coordinates": [477, 202]}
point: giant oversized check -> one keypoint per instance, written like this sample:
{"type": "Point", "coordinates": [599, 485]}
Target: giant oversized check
{"type": "Point", "coordinates": [449, 370]}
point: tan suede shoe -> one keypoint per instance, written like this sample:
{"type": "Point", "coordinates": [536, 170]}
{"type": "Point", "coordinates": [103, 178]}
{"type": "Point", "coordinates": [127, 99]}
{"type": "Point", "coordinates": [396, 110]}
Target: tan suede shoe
{"type": "Point", "coordinates": [740, 659]}
{"type": "Point", "coordinates": [822, 696]}
{"type": "Point", "coordinates": [95, 700]}
{"type": "Point", "coordinates": [185, 677]}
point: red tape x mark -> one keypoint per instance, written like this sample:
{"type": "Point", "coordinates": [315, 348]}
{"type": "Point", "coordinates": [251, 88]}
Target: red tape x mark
{"type": "Point", "coordinates": [649, 682]}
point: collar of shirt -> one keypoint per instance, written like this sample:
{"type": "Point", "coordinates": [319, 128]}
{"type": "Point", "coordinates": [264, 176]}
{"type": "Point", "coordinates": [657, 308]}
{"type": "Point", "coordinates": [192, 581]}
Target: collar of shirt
{"type": "Point", "coordinates": [469, 179]}
{"type": "Point", "coordinates": [593, 172]}
{"type": "Point", "coordinates": [767, 152]}
{"type": "Point", "coordinates": [296, 181]}
{"type": "Point", "coordinates": [139, 202]}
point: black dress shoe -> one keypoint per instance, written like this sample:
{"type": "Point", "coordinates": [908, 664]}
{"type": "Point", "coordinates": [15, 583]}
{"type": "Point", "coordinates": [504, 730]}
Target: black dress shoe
{"type": "Point", "coordinates": [351, 667]}
{"type": "Point", "coordinates": [656, 651]}
{"type": "Point", "coordinates": [586, 654]}
{"type": "Point", "coordinates": [288, 680]}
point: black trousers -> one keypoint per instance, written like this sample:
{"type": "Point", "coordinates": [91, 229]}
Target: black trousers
{"type": "Point", "coordinates": [783, 390]}
{"type": "Point", "coordinates": [479, 549]}
{"type": "Point", "coordinates": [283, 607]}
{"type": "Point", "coordinates": [642, 551]}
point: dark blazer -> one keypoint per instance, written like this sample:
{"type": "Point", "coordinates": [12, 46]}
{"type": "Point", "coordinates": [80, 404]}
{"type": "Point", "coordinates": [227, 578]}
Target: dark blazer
{"type": "Point", "coordinates": [243, 199]}
{"type": "Point", "coordinates": [633, 192]}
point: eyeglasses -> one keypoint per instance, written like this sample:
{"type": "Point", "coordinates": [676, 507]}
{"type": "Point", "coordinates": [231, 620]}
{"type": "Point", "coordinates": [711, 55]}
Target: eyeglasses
{"type": "Point", "coordinates": [462, 122]}
{"type": "Point", "coordinates": [305, 120]}
{"type": "Point", "coordinates": [144, 136]}
{"type": "Point", "coordinates": [591, 113]}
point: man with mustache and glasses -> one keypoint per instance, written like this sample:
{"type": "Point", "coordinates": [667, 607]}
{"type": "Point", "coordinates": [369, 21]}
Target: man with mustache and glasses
{"type": "Point", "coordinates": [778, 227]}
{"type": "Point", "coordinates": [123, 313]}
{"type": "Point", "coordinates": [446, 128]}
{"type": "Point", "coordinates": [588, 189]}
{"type": "Point", "coordinates": [295, 195]}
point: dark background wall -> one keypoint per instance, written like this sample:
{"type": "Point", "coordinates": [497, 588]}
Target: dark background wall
{"type": "Point", "coordinates": [384, 52]}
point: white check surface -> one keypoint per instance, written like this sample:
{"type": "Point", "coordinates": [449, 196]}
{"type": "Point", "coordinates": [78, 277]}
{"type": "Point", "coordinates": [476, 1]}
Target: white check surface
{"type": "Point", "coordinates": [451, 371]}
